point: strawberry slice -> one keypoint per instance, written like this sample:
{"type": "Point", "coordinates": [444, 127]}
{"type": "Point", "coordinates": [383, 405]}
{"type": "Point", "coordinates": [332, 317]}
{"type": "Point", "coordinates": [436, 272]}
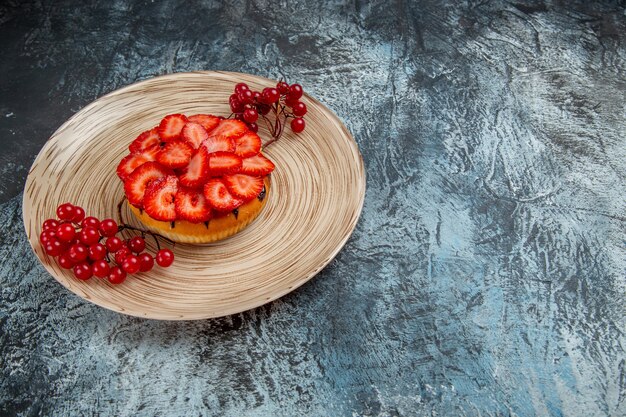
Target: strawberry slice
{"type": "Point", "coordinates": [248, 145]}
{"type": "Point", "coordinates": [194, 134]}
{"type": "Point", "coordinates": [145, 140]}
{"type": "Point", "coordinates": [192, 206]}
{"type": "Point", "coordinates": [170, 127]}
{"type": "Point", "coordinates": [219, 197]}
{"type": "Point", "coordinates": [208, 121]}
{"type": "Point", "coordinates": [222, 163]}
{"type": "Point", "coordinates": [136, 183]}
{"type": "Point", "coordinates": [197, 171]}
{"type": "Point", "coordinates": [159, 201]}
{"type": "Point", "coordinates": [128, 164]}
{"type": "Point", "coordinates": [244, 186]}
{"type": "Point", "coordinates": [230, 129]}
{"type": "Point", "coordinates": [217, 144]}
{"type": "Point", "coordinates": [257, 165]}
{"type": "Point", "coordinates": [175, 154]}
{"type": "Point", "coordinates": [151, 152]}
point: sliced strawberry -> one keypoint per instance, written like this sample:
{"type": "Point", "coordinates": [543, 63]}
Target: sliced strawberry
{"type": "Point", "coordinates": [217, 144]}
{"type": "Point", "coordinates": [222, 163]}
{"type": "Point", "coordinates": [219, 197]}
{"type": "Point", "coordinates": [208, 121]}
{"type": "Point", "coordinates": [194, 134]}
{"type": "Point", "coordinates": [248, 145]}
{"type": "Point", "coordinates": [243, 186]}
{"type": "Point", "coordinates": [136, 183]}
{"type": "Point", "coordinates": [192, 206]}
{"type": "Point", "coordinates": [230, 129]}
{"type": "Point", "coordinates": [197, 171]}
{"type": "Point", "coordinates": [145, 140]}
{"type": "Point", "coordinates": [257, 165]}
{"type": "Point", "coordinates": [171, 126]}
{"type": "Point", "coordinates": [128, 164]}
{"type": "Point", "coordinates": [151, 152]}
{"type": "Point", "coordinates": [175, 154]}
{"type": "Point", "coordinates": [159, 201]}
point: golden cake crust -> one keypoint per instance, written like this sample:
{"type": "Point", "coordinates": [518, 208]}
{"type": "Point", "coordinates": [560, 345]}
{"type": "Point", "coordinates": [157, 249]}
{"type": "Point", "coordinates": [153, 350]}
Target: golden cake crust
{"type": "Point", "coordinates": [217, 229]}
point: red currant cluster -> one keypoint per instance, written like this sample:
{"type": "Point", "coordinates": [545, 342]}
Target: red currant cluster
{"type": "Point", "coordinates": [248, 105]}
{"type": "Point", "coordinates": [85, 245]}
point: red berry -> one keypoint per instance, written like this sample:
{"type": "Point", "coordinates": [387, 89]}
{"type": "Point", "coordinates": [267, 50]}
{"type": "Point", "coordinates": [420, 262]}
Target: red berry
{"type": "Point", "coordinates": [246, 97]}
{"type": "Point", "coordinates": [282, 87]}
{"type": "Point", "coordinates": [79, 214]}
{"type": "Point", "coordinates": [131, 264]}
{"type": "Point", "coordinates": [54, 247]}
{"type": "Point", "coordinates": [146, 262]}
{"type": "Point", "coordinates": [65, 261]}
{"type": "Point", "coordinates": [299, 109]}
{"type": "Point", "coordinates": [89, 236]}
{"type": "Point", "coordinates": [297, 124]}
{"type": "Point", "coordinates": [235, 105]}
{"type": "Point", "coordinates": [46, 235]}
{"type": "Point", "coordinates": [263, 108]}
{"type": "Point", "coordinates": [65, 211]}
{"type": "Point", "coordinates": [117, 275]}
{"type": "Point", "coordinates": [250, 115]}
{"type": "Point", "coordinates": [241, 87]}
{"type": "Point", "coordinates": [97, 252]}
{"type": "Point", "coordinates": [65, 232]}
{"type": "Point", "coordinates": [137, 244]}
{"type": "Point", "coordinates": [108, 227]}
{"type": "Point", "coordinates": [165, 257]}
{"type": "Point", "coordinates": [253, 127]}
{"type": "Point", "coordinates": [291, 101]}
{"type": "Point", "coordinates": [114, 244]}
{"type": "Point", "coordinates": [82, 271]}
{"type": "Point", "coordinates": [295, 91]}
{"type": "Point", "coordinates": [256, 96]}
{"type": "Point", "coordinates": [90, 222]}
{"type": "Point", "coordinates": [121, 254]}
{"type": "Point", "coordinates": [101, 268]}
{"type": "Point", "coordinates": [78, 252]}
{"type": "Point", "coordinates": [270, 95]}
{"type": "Point", "coordinates": [51, 224]}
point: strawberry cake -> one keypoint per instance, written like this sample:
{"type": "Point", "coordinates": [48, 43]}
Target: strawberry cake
{"type": "Point", "coordinates": [196, 179]}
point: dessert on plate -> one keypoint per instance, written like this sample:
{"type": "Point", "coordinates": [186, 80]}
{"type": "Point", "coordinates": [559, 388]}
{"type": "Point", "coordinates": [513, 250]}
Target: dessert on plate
{"type": "Point", "coordinates": [196, 179]}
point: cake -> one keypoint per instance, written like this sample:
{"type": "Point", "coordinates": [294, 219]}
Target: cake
{"type": "Point", "coordinates": [196, 179]}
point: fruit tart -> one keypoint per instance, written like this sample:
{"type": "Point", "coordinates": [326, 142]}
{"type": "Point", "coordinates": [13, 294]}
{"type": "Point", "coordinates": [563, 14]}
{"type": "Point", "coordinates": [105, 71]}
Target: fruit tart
{"type": "Point", "coordinates": [196, 179]}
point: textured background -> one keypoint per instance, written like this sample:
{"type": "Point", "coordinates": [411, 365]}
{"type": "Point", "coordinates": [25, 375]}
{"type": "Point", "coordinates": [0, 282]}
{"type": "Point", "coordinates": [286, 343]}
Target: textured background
{"type": "Point", "coordinates": [487, 274]}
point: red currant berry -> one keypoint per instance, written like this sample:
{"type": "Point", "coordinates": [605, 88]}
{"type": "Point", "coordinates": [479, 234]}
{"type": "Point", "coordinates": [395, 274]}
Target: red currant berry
{"type": "Point", "coordinates": [79, 214]}
{"type": "Point", "coordinates": [65, 211]}
{"type": "Point", "coordinates": [78, 252]}
{"type": "Point", "coordinates": [250, 115]}
{"type": "Point", "coordinates": [65, 261]}
{"type": "Point", "coordinates": [241, 87]}
{"type": "Point", "coordinates": [146, 262]}
{"type": "Point", "coordinates": [97, 252]}
{"type": "Point", "coordinates": [256, 96]}
{"type": "Point", "coordinates": [108, 227]}
{"type": "Point", "coordinates": [54, 247]}
{"type": "Point", "coordinates": [165, 257]}
{"type": "Point", "coordinates": [89, 236]}
{"type": "Point", "coordinates": [121, 254]}
{"type": "Point", "coordinates": [297, 124]}
{"type": "Point", "coordinates": [90, 222]}
{"type": "Point", "coordinates": [299, 109]}
{"type": "Point", "coordinates": [131, 264]}
{"type": "Point", "coordinates": [270, 95]}
{"type": "Point", "coordinates": [82, 271]}
{"type": "Point", "coordinates": [46, 235]}
{"type": "Point", "coordinates": [235, 104]}
{"type": "Point", "coordinates": [114, 244]}
{"type": "Point", "coordinates": [65, 232]}
{"type": "Point", "coordinates": [239, 116]}
{"type": "Point", "coordinates": [137, 244]}
{"type": "Point", "coordinates": [282, 87]}
{"type": "Point", "coordinates": [295, 91]}
{"type": "Point", "coordinates": [290, 101]}
{"type": "Point", "coordinates": [117, 275]}
{"type": "Point", "coordinates": [51, 224]}
{"type": "Point", "coordinates": [263, 109]}
{"type": "Point", "coordinates": [246, 97]}
{"type": "Point", "coordinates": [253, 127]}
{"type": "Point", "coordinates": [101, 268]}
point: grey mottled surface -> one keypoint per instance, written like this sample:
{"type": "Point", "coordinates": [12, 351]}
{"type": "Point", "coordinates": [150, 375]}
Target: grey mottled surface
{"type": "Point", "coordinates": [487, 276]}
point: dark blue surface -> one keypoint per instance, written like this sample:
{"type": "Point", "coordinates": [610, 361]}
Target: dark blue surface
{"type": "Point", "coordinates": [486, 277]}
